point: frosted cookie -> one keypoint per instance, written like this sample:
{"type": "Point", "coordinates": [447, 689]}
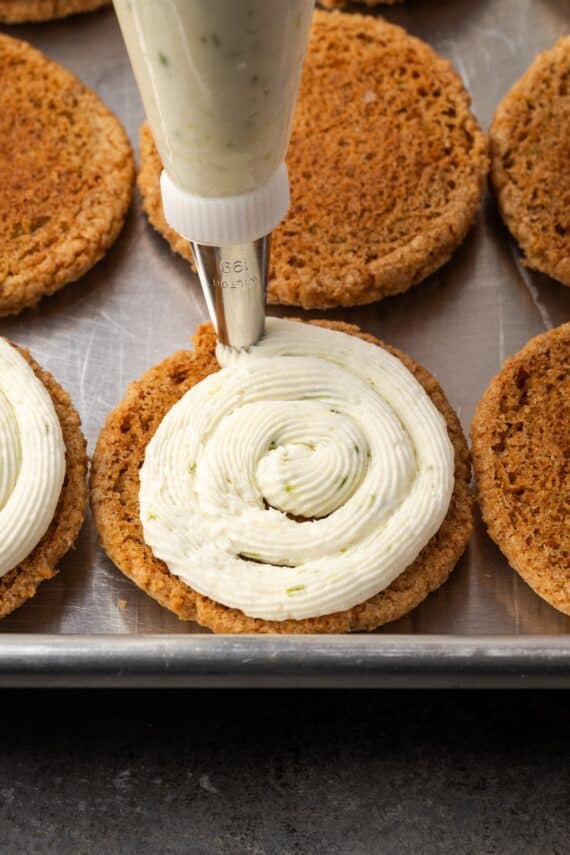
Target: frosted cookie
{"type": "Point", "coordinates": [18, 11]}
{"type": "Point", "coordinates": [521, 455]}
{"type": "Point", "coordinates": [43, 468]}
{"type": "Point", "coordinates": [294, 460]}
{"type": "Point", "coordinates": [387, 167]}
{"type": "Point", "coordinates": [530, 162]}
{"type": "Point", "coordinates": [66, 176]}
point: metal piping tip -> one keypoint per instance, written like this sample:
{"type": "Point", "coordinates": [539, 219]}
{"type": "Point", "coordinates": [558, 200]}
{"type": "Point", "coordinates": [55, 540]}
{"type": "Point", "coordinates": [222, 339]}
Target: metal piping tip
{"type": "Point", "coordinates": [234, 282]}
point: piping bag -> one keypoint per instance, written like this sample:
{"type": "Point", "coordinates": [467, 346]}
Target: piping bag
{"type": "Point", "coordinates": [219, 82]}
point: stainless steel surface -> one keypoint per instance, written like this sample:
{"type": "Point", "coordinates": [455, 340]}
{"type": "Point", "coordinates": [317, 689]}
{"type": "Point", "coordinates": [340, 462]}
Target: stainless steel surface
{"type": "Point", "coordinates": [234, 284]}
{"type": "Point", "coordinates": [357, 661]}
{"type": "Point", "coordinates": [140, 304]}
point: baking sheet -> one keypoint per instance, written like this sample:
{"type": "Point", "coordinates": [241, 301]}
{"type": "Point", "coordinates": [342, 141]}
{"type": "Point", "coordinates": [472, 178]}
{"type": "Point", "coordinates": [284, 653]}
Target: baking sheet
{"type": "Point", "coordinates": [141, 303]}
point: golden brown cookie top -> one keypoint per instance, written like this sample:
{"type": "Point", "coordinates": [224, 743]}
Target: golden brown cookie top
{"type": "Point", "coordinates": [66, 173]}
{"type": "Point", "coordinates": [387, 166]}
{"type": "Point", "coordinates": [22, 582]}
{"type": "Point", "coordinates": [115, 488]}
{"type": "Point", "coordinates": [530, 152]}
{"type": "Point", "coordinates": [521, 451]}
{"type": "Point", "coordinates": [17, 11]}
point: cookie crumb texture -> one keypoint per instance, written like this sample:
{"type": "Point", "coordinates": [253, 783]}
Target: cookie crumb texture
{"type": "Point", "coordinates": [66, 176]}
{"type": "Point", "coordinates": [114, 500]}
{"type": "Point", "coordinates": [521, 456]}
{"type": "Point", "coordinates": [21, 583]}
{"type": "Point", "coordinates": [530, 162]}
{"type": "Point", "coordinates": [18, 11]}
{"type": "Point", "coordinates": [387, 168]}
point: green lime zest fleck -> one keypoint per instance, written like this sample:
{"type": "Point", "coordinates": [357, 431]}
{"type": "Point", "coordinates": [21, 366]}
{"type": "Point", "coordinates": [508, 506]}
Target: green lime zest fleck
{"type": "Point", "coordinates": [272, 445]}
{"type": "Point", "coordinates": [153, 516]}
{"type": "Point", "coordinates": [213, 38]}
{"type": "Point", "coordinates": [289, 488]}
{"type": "Point", "coordinates": [192, 469]}
{"type": "Point", "coordinates": [343, 482]}
{"type": "Point", "coordinates": [296, 589]}
{"type": "Point", "coordinates": [163, 59]}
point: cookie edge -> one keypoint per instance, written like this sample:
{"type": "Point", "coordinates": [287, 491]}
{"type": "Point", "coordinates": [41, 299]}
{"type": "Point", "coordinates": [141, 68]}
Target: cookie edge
{"type": "Point", "coordinates": [504, 189]}
{"type": "Point", "coordinates": [484, 463]}
{"type": "Point", "coordinates": [403, 595]}
{"type": "Point", "coordinates": [22, 582]}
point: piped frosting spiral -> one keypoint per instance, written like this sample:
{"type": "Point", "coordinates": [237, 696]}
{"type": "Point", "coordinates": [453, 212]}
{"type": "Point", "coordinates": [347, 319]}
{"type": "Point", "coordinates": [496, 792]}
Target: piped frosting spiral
{"type": "Point", "coordinates": [32, 458]}
{"type": "Point", "coordinates": [299, 480]}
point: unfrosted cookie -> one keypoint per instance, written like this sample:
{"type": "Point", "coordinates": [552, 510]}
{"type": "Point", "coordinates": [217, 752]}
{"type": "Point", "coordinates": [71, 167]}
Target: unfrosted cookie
{"type": "Point", "coordinates": [521, 456]}
{"type": "Point", "coordinates": [66, 176]}
{"type": "Point", "coordinates": [530, 162]}
{"type": "Point", "coordinates": [22, 582]}
{"type": "Point", "coordinates": [18, 11]}
{"type": "Point", "coordinates": [387, 167]}
{"type": "Point", "coordinates": [115, 488]}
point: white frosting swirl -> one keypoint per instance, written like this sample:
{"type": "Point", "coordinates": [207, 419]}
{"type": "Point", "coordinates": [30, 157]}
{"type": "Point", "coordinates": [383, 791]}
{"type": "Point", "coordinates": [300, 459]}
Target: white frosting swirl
{"type": "Point", "coordinates": [311, 423]}
{"type": "Point", "coordinates": [32, 458]}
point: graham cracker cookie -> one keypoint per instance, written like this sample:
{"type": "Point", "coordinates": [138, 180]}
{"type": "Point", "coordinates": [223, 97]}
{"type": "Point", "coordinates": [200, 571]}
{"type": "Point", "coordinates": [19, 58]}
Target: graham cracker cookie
{"type": "Point", "coordinates": [114, 500]}
{"type": "Point", "coordinates": [18, 11]}
{"type": "Point", "coordinates": [66, 176]}
{"type": "Point", "coordinates": [21, 583]}
{"type": "Point", "coordinates": [521, 455]}
{"type": "Point", "coordinates": [530, 162]}
{"type": "Point", "coordinates": [387, 167]}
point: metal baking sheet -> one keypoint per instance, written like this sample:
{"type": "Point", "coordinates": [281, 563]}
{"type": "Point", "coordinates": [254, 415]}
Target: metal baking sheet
{"type": "Point", "coordinates": [141, 303]}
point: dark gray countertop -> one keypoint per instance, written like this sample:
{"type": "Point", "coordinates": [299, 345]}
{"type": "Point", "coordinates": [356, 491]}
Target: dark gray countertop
{"type": "Point", "coordinates": [282, 772]}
